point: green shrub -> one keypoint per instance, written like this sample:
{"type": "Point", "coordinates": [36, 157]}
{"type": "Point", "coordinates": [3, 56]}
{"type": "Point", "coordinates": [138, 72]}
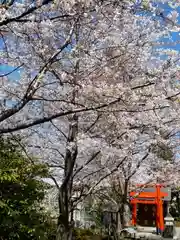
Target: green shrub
{"type": "Point", "coordinates": [22, 190]}
{"type": "Point", "coordinates": [87, 234]}
{"type": "Point", "coordinates": [82, 234]}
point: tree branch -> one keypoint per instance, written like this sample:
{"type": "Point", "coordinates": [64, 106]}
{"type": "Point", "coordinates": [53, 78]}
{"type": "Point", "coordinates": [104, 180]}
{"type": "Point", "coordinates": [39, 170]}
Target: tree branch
{"type": "Point", "coordinates": [24, 14]}
{"type": "Point", "coordinates": [54, 180]}
{"type": "Point", "coordinates": [6, 74]}
{"type": "Point", "coordinates": [107, 175]}
{"type": "Point", "coordinates": [60, 114]}
{"type": "Point", "coordinates": [93, 124]}
{"type": "Point", "coordinates": [58, 129]}
{"type": "Point", "coordinates": [90, 160]}
{"type": "Point", "coordinates": [138, 166]}
{"type": "Point", "coordinates": [33, 86]}
{"type": "Point", "coordinates": [56, 100]}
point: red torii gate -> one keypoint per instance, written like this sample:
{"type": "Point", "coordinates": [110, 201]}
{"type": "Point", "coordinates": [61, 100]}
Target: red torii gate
{"type": "Point", "coordinates": [149, 198]}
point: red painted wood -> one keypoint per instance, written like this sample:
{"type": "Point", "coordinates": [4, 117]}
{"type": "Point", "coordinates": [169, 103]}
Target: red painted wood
{"type": "Point", "coordinates": [147, 194]}
{"type": "Point", "coordinates": [157, 200]}
{"type": "Point", "coordinates": [134, 214]}
{"type": "Point", "coordinates": [143, 202]}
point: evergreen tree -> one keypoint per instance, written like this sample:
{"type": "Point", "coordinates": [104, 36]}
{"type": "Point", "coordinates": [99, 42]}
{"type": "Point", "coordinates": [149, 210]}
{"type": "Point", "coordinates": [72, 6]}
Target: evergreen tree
{"type": "Point", "coordinates": [21, 193]}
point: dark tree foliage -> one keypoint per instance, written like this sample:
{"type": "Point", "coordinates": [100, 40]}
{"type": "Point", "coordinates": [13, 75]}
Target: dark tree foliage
{"type": "Point", "coordinates": [21, 192]}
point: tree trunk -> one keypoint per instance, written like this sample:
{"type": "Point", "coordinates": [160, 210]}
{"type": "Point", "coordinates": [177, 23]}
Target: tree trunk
{"type": "Point", "coordinates": [119, 222]}
{"type": "Point", "coordinates": [64, 226]}
{"type": "Point", "coordinates": [62, 233]}
{"type": "Point", "coordinates": [64, 230]}
{"type": "Point", "coordinates": [125, 206]}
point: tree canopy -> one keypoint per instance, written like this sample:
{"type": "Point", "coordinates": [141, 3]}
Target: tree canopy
{"type": "Point", "coordinates": [97, 90]}
{"type": "Point", "coordinates": [22, 190]}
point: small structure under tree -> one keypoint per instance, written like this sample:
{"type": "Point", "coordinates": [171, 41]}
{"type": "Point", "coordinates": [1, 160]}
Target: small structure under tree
{"type": "Point", "coordinates": [156, 196]}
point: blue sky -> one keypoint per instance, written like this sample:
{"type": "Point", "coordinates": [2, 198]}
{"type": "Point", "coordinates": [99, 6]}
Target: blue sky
{"type": "Point", "coordinates": [4, 68]}
{"type": "Point", "coordinates": [175, 36]}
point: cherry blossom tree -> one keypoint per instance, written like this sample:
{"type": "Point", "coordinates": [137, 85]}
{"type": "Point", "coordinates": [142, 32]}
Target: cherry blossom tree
{"type": "Point", "coordinates": [94, 90]}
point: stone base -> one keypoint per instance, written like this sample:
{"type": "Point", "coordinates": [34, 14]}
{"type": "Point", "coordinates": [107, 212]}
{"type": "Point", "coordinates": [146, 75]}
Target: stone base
{"type": "Point", "coordinates": [168, 232]}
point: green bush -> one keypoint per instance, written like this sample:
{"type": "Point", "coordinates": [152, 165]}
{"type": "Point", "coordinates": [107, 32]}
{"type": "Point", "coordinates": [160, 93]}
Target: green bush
{"type": "Point", "coordinates": [87, 234]}
{"type": "Point", "coordinates": [82, 234]}
{"type": "Point", "coordinates": [21, 193]}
